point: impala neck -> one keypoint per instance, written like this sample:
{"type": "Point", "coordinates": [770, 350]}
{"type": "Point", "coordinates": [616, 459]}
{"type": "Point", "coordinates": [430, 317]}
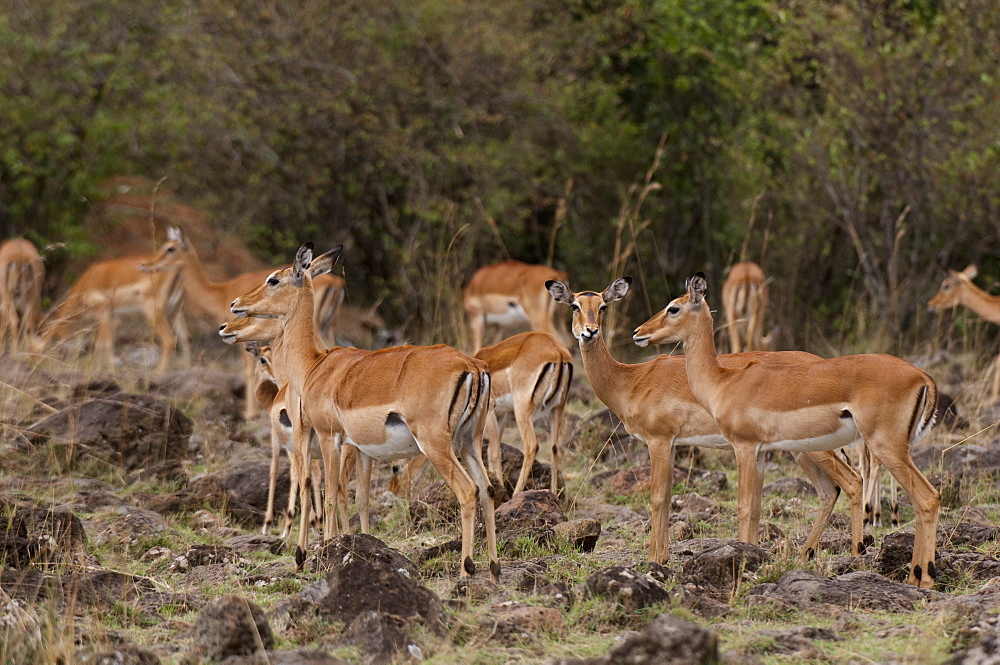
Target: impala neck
{"type": "Point", "coordinates": [299, 339]}
{"type": "Point", "coordinates": [980, 302]}
{"type": "Point", "coordinates": [208, 297]}
{"type": "Point", "coordinates": [701, 361]}
{"type": "Point", "coordinates": [608, 377]}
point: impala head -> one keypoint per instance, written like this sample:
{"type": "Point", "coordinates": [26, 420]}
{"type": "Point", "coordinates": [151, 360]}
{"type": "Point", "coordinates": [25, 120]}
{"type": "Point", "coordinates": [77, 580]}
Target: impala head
{"type": "Point", "coordinates": [250, 330]}
{"type": "Point", "coordinates": [673, 322]}
{"type": "Point", "coordinates": [265, 372]}
{"type": "Point", "coordinates": [170, 255]}
{"type": "Point", "coordinates": [277, 296]}
{"type": "Point", "coordinates": [588, 306]}
{"type": "Point", "coordinates": [950, 293]}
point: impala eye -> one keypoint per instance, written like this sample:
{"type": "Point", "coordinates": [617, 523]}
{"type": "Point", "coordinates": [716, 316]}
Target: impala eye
{"type": "Point", "coordinates": [171, 250]}
{"type": "Point", "coordinates": [575, 307]}
{"type": "Point", "coordinates": [673, 310]}
{"type": "Point", "coordinates": [272, 281]}
{"type": "Point", "coordinates": [603, 307]}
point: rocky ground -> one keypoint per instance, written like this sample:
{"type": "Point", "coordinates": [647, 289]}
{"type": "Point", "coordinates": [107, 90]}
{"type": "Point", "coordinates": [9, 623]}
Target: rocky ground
{"type": "Point", "coordinates": [133, 504]}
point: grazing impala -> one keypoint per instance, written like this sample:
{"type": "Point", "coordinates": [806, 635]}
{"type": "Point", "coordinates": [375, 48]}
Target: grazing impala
{"type": "Point", "coordinates": [116, 286]}
{"type": "Point", "coordinates": [744, 300]}
{"type": "Point", "coordinates": [211, 299]}
{"type": "Point", "coordinates": [392, 403]}
{"type": "Point", "coordinates": [807, 405]}
{"type": "Point", "coordinates": [531, 373]}
{"type": "Point", "coordinates": [655, 404]}
{"type": "Point", "coordinates": [22, 275]}
{"type": "Point", "coordinates": [507, 294]}
{"type": "Point", "coordinates": [958, 289]}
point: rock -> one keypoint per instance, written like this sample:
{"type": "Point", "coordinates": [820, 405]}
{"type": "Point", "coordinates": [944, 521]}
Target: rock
{"type": "Point", "coordinates": [856, 591]}
{"type": "Point", "coordinates": [120, 429]}
{"type": "Point", "coordinates": [530, 515]}
{"type": "Point", "coordinates": [93, 588]}
{"type": "Point", "coordinates": [894, 555]}
{"type": "Point", "coordinates": [229, 626]}
{"type": "Point", "coordinates": [303, 656]}
{"type": "Point", "coordinates": [41, 536]}
{"type": "Point", "coordinates": [582, 533]}
{"type": "Point", "coordinates": [966, 534]}
{"type": "Point", "coordinates": [380, 636]}
{"type": "Point", "coordinates": [539, 477]}
{"type": "Point", "coordinates": [790, 486]}
{"type": "Point", "coordinates": [132, 526]}
{"type": "Point", "coordinates": [719, 565]}
{"type": "Point", "coordinates": [631, 589]}
{"type": "Point", "coordinates": [632, 480]}
{"type": "Point", "coordinates": [796, 641]}
{"type": "Point", "coordinates": [668, 640]}
{"type": "Point", "coordinates": [342, 549]}
{"type": "Point", "coordinates": [694, 504]}
{"type": "Point", "coordinates": [248, 482]}
{"type": "Point", "coordinates": [211, 492]}
{"type": "Point", "coordinates": [122, 654]}
{"type": "Point", "coordinates": [983, 651]}
{"type": "Point", "coordinates": [434, 504]}
{"type": "Point", "coordinates": [371, 581]}
{"type": "Point", "coordinates": [514, 623]}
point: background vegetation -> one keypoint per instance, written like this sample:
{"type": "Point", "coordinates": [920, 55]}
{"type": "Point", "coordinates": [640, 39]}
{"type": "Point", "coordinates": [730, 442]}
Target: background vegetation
{"type": "Point", "coordinates": [433, 136]}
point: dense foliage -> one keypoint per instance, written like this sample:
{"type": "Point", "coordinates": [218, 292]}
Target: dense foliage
{"type": "Point", "coordinates": [849, 147]}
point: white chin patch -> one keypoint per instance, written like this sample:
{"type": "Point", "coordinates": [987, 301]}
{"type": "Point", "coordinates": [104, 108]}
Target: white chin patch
{"type": "Point", "coordinates": [642, 342]}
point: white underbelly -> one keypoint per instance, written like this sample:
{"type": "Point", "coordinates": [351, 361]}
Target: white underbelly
{"type": "Point", "coordinates": [844, 436]}
{"type": "Point", "coordinates": [703, 441]}
{"type": "Point", "coordinates": [512, 315]}
{"type": "Point", "coordinates": [398, 443]}
{"type": "Point", "coordinates": [504, 404]}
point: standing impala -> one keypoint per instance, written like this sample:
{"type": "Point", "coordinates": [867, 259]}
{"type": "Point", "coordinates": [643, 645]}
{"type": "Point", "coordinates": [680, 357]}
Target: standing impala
{"type": "Point", "coordinates": [807, 405]}
{"type": "Point", "coordinates": [22, 275]}
{"type": "Point", "coordinates": [530, 373]}
{"type": "Point", "coordinates": [958, 289]}
{"type": "Point", "coordinates": [655, 404]}
{"type": "Point", "coordinates": [392, 403]}
{"type": "Point", "coordinates": [109, 288]}
{"type": "Point", "coordinates": [508, 294]}
{"type": "Point", "coordinates": [211, 299]}
{"type": "Point", "coordinates": [744, 300]}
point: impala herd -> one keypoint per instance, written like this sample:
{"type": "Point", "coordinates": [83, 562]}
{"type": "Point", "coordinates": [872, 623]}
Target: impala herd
{"type": "Point", "coordinates": [336, 409]}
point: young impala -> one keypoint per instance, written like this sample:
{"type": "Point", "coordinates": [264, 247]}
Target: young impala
{"type": "Point", "coordinates": [392, 403]}
{"type": "Point", "coordinates": [655, 405]}
{"type": "Point", "coordinates": [22, 275]}
{"type": "Point", "coordinates": [807, 405]}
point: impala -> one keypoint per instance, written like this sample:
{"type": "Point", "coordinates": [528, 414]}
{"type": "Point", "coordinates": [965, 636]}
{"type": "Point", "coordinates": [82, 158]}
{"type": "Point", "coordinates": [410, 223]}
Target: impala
{"type": "Point", "coordinates": [22, 275]}
{"type": "Point", "coordinates": [508, 294]}
{"type": "Point", "coordinates": [530, 373]}
{"type": "Point", "coordinates": [744, 300]}
{"type": "Point", "coordinates": [807, 405]}
{"type": "Point", "coordinates": [958, 289]}
{"type": "Point", "coordinates": [655, 405]}
{"type": "Point", "coordinates": [211, 299]}
{"type": "Point", "coordinates": [392, 403]}
{"type": "Point", "coordinates": [117, 286]}
{"type": "Point", "coordinates": [288, 430]}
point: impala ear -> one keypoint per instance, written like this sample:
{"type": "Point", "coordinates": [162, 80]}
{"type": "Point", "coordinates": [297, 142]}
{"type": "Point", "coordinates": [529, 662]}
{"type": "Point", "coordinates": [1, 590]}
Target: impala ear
{"type": "Point", "coordinates": [303, 259]}
{"type": "Point", "coordinates": [253, 348]}
{"type": "Point", "coordinates": [617, 289]}
{"type": "Point", "coordinates": [324, 263]}
{"type": "Point", "coordinates": [971, 271]}
{"type": "Point", "coordinates": [173, 233]}
{"type": "Point", "coordinates": [559, 291]}
{"type": "Point", "coordinates": [697, 287]}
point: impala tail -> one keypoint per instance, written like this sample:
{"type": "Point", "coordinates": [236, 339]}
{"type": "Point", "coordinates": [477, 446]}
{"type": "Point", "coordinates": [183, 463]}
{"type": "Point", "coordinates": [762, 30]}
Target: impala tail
{"type": "Point", "coordinates": [924, 411]}
{"type": "Point", "coordinates": [470, 402]}
{"type": "Point", "coordinates": [552, 384]}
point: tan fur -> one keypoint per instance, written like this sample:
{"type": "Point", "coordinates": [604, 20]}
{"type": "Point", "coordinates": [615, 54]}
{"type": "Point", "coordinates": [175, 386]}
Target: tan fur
{"type": "Point", "coordinates": [212, 299]}
{"type": "Point", "coordinates": [744, 301]}
{"type": "Point", "coordinates": [532, 371]}
{"type": "Point", "coordinates": [493, 289]}
{"type": "Point", "coordinates": [108, 288]}
{"type": "Point", "coordinates": [370, 398]}
{"type": "Point", "coordinates": [22, 275]}
{"type": "Point", "coordinates": [958, 289]}
{"type": "Point", "coordinates": [655, 403]}
{"type": "Point", "coordinates": [890, 401]}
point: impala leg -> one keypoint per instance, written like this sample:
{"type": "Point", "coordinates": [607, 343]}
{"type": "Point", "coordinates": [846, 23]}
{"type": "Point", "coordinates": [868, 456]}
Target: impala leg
{"type": "Point", "coordinates": [734, 334]}
{"type": "Point", "coordinates": [529, 441]}
{"type": "Point", "coordinates": [871, 477]}
{"type": "Point", "coordinates": [249, 396]}
{"type": "Point", "coordinates": [926, 504]}
{"type": "Point", "coordinates": [494, 432]}
{"type": "Point", "coordinates": [106, 338]}
{"type": "Point", "coordinates": [331, 477]}
{"type": "Point", "coordinates": [661, 458]}
{"type": "Point", "coordinates": [165, 337]}
{"type": "Point", "coordinates": [180, 327]}
{"type": "Point", "coordinates": [349, 459]}
{"type": "Point", "coordinates": [748, 488]}
{"type": "Point", "coordinates": [305, 488]}
{"type": "Point", "coordinates": [477, 325]}
{"type": "Point", "coordinates": [442, 456]}
{"type": "Point", "coordinates": [474, 463]}
{"type": "Point", "coordinates": [556, 419]}
{"type": "Point", "coordinates": [995, 391]}
{"type": "Point", "coordinates": [831, 474]}
{"type": "Point", "coordinates": [364, 485]}
{"type": "Point", "coordinates": [279, 437]}
{"type": "Point", "coordinates": [315, 474]}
